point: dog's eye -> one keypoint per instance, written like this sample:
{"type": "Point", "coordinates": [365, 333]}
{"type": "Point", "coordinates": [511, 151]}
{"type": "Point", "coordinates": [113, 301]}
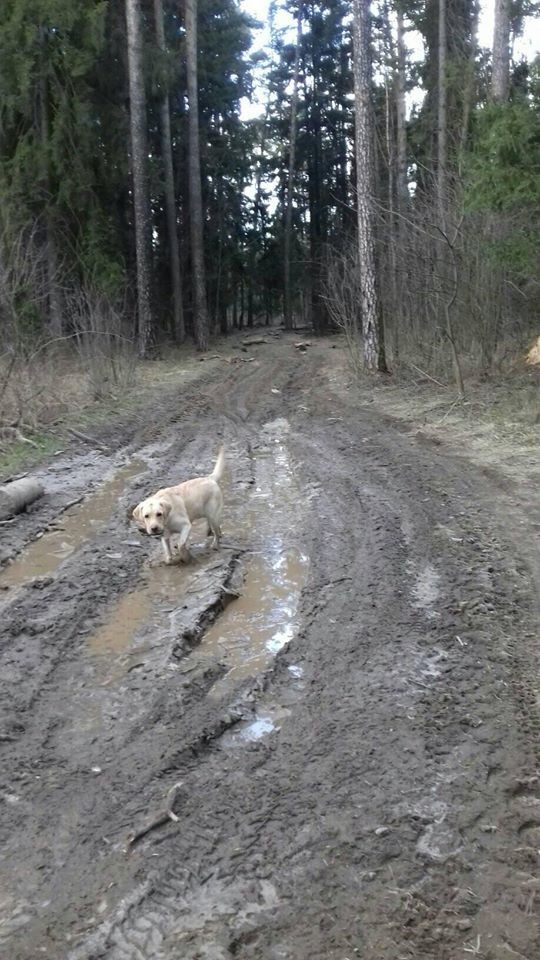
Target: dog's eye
{"type": "Point", "coordinates": [159, 513]}
{"type": "Point", "coordinates": [146, 516]}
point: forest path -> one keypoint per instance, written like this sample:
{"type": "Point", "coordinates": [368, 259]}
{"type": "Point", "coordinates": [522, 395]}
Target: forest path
{"type": "Point", "coordinates": [356, 735]}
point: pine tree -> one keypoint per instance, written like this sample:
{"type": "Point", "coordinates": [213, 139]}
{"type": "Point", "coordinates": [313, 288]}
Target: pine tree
{"type": "Point", "coordinates": [170, 199]}
{"type": "Point", "coordinates": [288, 311]}
{"type": "Point", "coordinates": [374, 357]}
{"type": "Point", "coordinates": [200, 322]}
{"type": "Point", "coordinates": [139, 164]}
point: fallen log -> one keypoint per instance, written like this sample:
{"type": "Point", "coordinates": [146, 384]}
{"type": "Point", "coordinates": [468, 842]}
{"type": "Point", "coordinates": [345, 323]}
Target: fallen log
{"type": "Point", "coordinates": [252, 341]}
{"type": "Point", "coordinates": [16, 496]}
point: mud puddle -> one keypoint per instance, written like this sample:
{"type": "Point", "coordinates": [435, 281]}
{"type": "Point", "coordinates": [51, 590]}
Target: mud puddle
{"type": "Point", "coordinates": [136, 636]}
{"type": "Point", "coordinates": [267, 720]}
{"type": "Point", "coordinates": [76, 525]}
{"type": "Point", "coordinates": [157, 595]}
{"type": "Point", "coordinates": [253, 628]}
{"type": "Point", "coordinates": [263, 619]}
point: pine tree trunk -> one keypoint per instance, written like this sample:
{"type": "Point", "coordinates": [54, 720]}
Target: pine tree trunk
{"type": "Point", "coordinates": [139, 164]}
{"type": "Point", "coordinates": [500, 80]}
{"type": "Point", "coordinates": [469, 85]}
{"type": "Point", "coordinates": [372, 329]}
{"type": "Point", "coordinates": [170, 202]}
{"type": "Point", "coordinates": [401, 129]}
{"type": "Point", "coordinates": [288, 311]}
{"type": "Point", "coordinates": [54, 294]}
{"type": "Point", "coordinates": [441, 112]}
{"type": "Point", "coordinates": [200, 319]}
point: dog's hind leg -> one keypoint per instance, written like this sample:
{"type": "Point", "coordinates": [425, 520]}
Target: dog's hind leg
{"type": "Point", "coordinates": [182, 540]}
{"type": "Point", "coordinates": [216, 531]}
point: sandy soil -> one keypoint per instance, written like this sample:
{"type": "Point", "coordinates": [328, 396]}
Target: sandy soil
{"type": "Point", "coordinates": [345, 696]}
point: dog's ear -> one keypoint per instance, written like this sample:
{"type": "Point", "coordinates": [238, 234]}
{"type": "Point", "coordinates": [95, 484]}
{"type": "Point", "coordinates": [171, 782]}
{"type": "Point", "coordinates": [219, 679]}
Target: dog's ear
{"type": "Point", "coordinates": [135, 513]}
{"type": "Point", "coordinates": [165, 507]}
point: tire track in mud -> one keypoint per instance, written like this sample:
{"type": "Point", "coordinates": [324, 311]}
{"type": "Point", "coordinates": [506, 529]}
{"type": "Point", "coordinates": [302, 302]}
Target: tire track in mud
{"type": "Point", "coordinates": [48, 736]}
{"type": "Point", "coordinates": [364, 825]}
{"type": "Point", "coordinates": [426, 903]}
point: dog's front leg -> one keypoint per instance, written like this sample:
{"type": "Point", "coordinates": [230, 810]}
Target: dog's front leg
{"type": "Point", "coordinates": [166, 544]}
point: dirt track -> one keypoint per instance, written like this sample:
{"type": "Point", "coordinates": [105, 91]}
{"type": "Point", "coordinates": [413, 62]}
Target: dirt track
{"type": "Point", "coordinates": [356, 736]}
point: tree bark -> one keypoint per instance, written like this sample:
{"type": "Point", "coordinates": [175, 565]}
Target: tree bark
{"type": "Point", "coordinates": [139, 164]}
{"type": "Point", "coordinates": [54, 295]}
{"type": "Point", "coordinates": [288, 311]}
{"type": "Point", "coordinates": [469, 85]}
{"type": "Point", "coordinates": [401, 128]}
{"type": "Point", "coordinates": [500, 80]}
{"type": "Point", "coordinates": [372, 329]}
{"type": "Point", "coordinates": [170, 200]}
{"type": "Point", "coordinates": [442, 113]}
{"type": "Point", "coordinates": [200, 318]}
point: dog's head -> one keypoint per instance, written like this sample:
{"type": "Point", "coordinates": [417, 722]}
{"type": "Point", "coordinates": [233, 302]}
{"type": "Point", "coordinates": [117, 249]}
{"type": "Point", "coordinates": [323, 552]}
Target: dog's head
{"type": "Point", "coordinates": [151, 515]}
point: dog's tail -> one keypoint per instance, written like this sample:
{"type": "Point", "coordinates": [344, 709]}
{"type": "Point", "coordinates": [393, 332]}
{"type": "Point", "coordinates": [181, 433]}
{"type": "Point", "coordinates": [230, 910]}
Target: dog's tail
{"type": "Point", "coordinates": [219, 469]}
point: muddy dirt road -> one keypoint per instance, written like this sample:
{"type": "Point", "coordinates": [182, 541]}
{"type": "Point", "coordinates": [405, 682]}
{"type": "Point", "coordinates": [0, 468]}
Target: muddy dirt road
{"type": "Point", "coordinates": [354, 738]}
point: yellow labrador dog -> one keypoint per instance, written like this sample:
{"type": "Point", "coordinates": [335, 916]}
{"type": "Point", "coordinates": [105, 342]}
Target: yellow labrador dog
{"type": "Point", "coordinates": [172, 510]}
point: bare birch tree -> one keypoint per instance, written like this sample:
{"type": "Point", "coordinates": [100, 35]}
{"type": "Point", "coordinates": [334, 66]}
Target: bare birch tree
{"type": "Point", "coordinates": [200, 314]}
{"type": "Point", "coordinates": [500, 79]}
{"type": "Point", "coordinates": [170, 201]}
{"type": "Point", "coordinates": [372, 328]}
{"type": "Point", "coordinates": [139, 165]}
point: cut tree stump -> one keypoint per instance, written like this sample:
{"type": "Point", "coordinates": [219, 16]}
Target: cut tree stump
{"type": "Point", "coordinates": [16, 496]}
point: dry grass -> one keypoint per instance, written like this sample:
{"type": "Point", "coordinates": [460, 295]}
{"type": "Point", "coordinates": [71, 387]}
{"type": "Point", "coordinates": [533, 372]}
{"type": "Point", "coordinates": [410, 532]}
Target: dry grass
{"type": "Point", "coordinates": [497, 425]}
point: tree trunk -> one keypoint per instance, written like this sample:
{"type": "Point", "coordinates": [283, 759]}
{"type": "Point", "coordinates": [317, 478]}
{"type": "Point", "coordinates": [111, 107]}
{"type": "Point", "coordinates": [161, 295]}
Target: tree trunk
{"type": "Point", "coordinates": [200, 317]}
{"type": "Point", "coordinates": [441, 113]}
{"type": "Point", "coordinates": [500, 80]}
{"type": "Point", "coordinates": [170, 201]}
{"type": "Point", "coordinates": [54, 295]}
{"type": "Point", "coordinates": [469, 86]}
{"type": "Point", "coordinates": [372, 329]}
{"type": "Point", "coordinates": [401, 128]}
{"type": "Point", "coordinates": [139, 164]}
{"type": "Point", "coordinates": [288, 311]}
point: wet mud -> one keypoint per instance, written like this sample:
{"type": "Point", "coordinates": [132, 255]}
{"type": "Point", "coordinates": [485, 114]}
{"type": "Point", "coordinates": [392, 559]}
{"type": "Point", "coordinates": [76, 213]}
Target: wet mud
{"type": "Point", "coordinates": [342, 702]}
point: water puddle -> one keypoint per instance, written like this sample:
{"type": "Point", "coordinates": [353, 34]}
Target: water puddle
{"type": "Point", "coordinates": [262, 621]}
{"type": "Point", "coordinates": [267, 720]}
{"type": "Point", "coordinates": [77, 525]}
{"type": "Point", "coordinates": [156, 601]}
{"type": "Point", "coordinates": [256, 626]}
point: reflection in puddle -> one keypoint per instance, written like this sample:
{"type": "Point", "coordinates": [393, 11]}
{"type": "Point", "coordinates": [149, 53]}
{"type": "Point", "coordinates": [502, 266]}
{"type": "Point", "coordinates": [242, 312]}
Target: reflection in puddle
{"type": "Point", "coordinates": [256, 626]}
{"type": "Point", "coordinates": [75, 526]}
{"type": "Point", "coordinates": [262, 621]}
{"type": "Point", "coordinates": [295, 671]}
{"type": "Point", "coordinates": [266, 721]}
